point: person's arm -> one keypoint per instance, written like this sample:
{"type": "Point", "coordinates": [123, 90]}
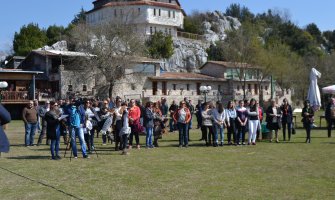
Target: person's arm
{"type": "Point", "coordinates": [174, 116]}
{"type": "Point", "coordinates": [4, 115]}
{"type": "Point", "coordinates": [24, 112]}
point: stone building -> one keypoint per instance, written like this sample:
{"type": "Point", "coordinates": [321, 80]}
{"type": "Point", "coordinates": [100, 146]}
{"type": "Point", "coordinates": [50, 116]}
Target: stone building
{"type": "Point", "coordinates": [147, 16]}
{"type": "Point", "coordinates": [236, 83]}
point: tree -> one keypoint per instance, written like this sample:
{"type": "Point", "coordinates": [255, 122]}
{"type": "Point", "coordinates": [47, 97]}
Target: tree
{"type": "Point", "coordinates": [113, 44]}
{"type": "Point", "coordinates": [55, 33]}
{"type": "Point", "coordinates": [160, 46]}
{"type": "Point", "coordinates": [80, 17]}
{"type": "Point", "coordinates": [315, 32]}
{"type": "Point", "coordinates": [30, 37]}
{"type": "Point", "coordinates": [241, 13]}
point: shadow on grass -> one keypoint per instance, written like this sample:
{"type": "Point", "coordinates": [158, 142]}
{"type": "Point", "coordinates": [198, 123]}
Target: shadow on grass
{"type": "Point", "coordinates": [30, 158]}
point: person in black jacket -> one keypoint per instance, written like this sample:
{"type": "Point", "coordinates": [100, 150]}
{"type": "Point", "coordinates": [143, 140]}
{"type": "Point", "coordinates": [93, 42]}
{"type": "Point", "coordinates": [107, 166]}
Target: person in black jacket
{"type": "Point", "coordinates": [273, 117]}
{"type": "Point", "coordinates": [53, 133]}
{"type": "Point", "coordinates": [330, 116]}
{"type": "Point", "coordinates": [287, 116]}
{"type": "Point", "coordinates": [307, 119]}
{"type": "Point", "coordinates": [4, 119]}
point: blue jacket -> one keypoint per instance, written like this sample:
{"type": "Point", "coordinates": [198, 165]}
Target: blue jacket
{"type": "Point", "coordinates": [148, 120]}
{"type": "Point", "coordinates": [4, 119]}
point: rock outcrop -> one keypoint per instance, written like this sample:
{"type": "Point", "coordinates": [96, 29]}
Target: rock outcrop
{"type": "Point", "coordinates": [190, 54]}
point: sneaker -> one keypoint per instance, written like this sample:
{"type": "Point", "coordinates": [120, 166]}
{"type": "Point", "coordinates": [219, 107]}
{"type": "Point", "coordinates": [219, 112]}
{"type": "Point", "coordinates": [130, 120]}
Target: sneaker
{"type": "Point", "coordinates": [86, 156]}
{"type": "Point", "coordinates": [75, 157]}
{"type": "Point", "coordinates": [104, 144]}
{"type": "Point", "coordinates": [58, 157]}
{"type": "Point", "coordinates": [180, 146]}
{"type": "Point", "coordinates": [243, 143]}
{"type": "Point", "coordinates": [138, 146]}
{"type": "Point", "coordinates": [254, 143]}
{"type": "Point", "coordinates": [130, 147]}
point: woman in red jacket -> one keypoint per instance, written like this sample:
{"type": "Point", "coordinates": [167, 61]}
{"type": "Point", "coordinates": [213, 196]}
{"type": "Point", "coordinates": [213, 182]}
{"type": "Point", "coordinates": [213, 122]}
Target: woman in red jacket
{"type": "Point", "coordinates": [134, 123]}
{"type": "Point", "coordinates": [182, 117]}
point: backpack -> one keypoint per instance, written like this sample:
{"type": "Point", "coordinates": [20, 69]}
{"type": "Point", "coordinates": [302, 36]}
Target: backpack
{"type": "Point", "coordinates": [74, 117]}
{"type": "Point", "coordinates": [332, 112]}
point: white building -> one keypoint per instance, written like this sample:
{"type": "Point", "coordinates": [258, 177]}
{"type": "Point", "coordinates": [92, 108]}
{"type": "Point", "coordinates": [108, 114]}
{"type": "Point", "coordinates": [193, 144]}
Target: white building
{"type": "Point", "coordinates": [147, 16]}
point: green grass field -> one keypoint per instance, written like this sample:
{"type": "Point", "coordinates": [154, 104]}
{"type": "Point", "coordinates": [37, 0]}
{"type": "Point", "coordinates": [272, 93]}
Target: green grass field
{"type": "Point", "coordinates": [287, 170]}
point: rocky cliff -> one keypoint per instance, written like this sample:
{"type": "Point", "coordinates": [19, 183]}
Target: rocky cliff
{"type": "Point", "coordinates": [190, 54]}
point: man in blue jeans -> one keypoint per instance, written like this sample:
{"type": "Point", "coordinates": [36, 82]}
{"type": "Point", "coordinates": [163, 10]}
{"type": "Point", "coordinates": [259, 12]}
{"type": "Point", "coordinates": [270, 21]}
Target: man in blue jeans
{"type": "Point", "coordinates": [29, 116]}
{"type": "Point", "coordinates": [76, 124]}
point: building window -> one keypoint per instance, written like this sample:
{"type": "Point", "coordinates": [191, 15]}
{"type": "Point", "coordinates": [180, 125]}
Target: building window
{"type": "Point", "coordinates": [170, 1]}
{"type": "Point", "coordinates": [170, 33]}
{"type": "Point", "coordinates": [155, 29]}
{"type": "Point", "coordinates": [198, 88]}
{"type": "Point", "coordinates": [249, 87]}
{"type": "Point", "coordinates": [150, 30]}
{"type": "Point", "coordinates": [256, 89]}
{"type": "Point", "coordinates": [174, 14]}
{"type": "Point", "coordinates": [188, 87]}
{"type": "Point", "coordinates": [154, 88]}
{"type": "Point", "coordinates": [166, 31]}
{"type": "Point", "coordinates": [133, 86]}
{"type": "Point", "coordinates": [219, 88]}
{"type": "Point", "coordinates": [238, 88]}
{"type": "Point", "coordinates": [266, 88]}
{"type": "Point", "coordinates": [84, 88]}
{"type": "Point", "coordinates": [169, 13]}
{"type": "Point", "coordinates": [154, 11]}
{"type": "Point", "coordinates": [164, 89]}
{"type": "Point", "coordinates": [159, 12]}
{"type": "Point", "coordinates": [115, 13]}
{"type": "Point", "coordinates": [139, 11]}
{"type": "Point", "coordinates": [174, 86]}
{"type": "Point", "coordinates": [70, 88]}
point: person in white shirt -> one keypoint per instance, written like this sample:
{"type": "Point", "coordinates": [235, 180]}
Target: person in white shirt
{"type": "Point", "coordinates": [231, 116]}
{"type": "Point", "coordinates": [253, 121]}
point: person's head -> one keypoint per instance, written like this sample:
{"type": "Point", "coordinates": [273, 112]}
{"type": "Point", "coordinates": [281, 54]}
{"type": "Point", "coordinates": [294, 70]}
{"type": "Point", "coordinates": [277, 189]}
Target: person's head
{"type": "Point", "coordinates": [306, 103]}
{"type": "Point", "coordinates": [285, 101]}
{"type": "Point", "coordinates": [118, 102]}
{"type": "Point", "coordinates": [47, 104]}
{"type": "Point", "coordinates": [67, 101]}
{"type": "Point", "coordinates": [246, 102]}
{"type": "Point", "coordinates": [230, 104]}
{"type": "Point", "coordinates": [252, 103]}
{"type": "Point", "coordinates": [87, 103]}
{"type": "Point", "coordinates": [60, 102]}
{"type": "Point", "coordinates": [219, 106]}
{"type": "Point", "coordinates": [163, 100]}
{"type": "Point", "coordinates": [105, 103]}
{"type": "Point", "coordinates": [149, 104]}
{"type": "Point", "coordinates": [132, 103]}
{"type": "Point", "coordinates": [173, 102]}
{"type": "Point", "coordinates": [30, 104]}
{"type": "Point", "coordinates": [241, 103]}
{"type": "Point", "coordinates": [206, 105]}
{"type": "Point", "coordinates": [138, 102]}
{"type": "Point", "coordinates": [35, 103]}
{"type": "Point", "coordinates": [273, 102]}
{"type": "Point", "coordinates": [53, 105]}
{"type": "Point", "coordinates": [182, 104]}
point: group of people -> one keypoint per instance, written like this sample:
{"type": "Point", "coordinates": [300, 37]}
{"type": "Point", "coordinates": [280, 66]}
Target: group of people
{"type": "Point", "coordinates": [122, 121]}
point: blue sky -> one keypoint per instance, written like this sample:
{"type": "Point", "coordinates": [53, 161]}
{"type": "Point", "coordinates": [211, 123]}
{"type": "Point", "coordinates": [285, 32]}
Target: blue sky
{"type": "Point", "coordinates": [16, 13]}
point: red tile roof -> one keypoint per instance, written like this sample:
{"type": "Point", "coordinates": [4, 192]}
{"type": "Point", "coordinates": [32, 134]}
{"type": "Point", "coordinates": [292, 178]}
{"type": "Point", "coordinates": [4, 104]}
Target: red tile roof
{"type": "Point", "coordinates": [229, 64]}
{"type": "Point", "coordinates": [136, 3]}
{"type": "Point", "coordinates": [185, 76]}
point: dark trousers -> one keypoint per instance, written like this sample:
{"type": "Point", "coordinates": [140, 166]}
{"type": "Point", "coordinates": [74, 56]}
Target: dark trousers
{"type": "Point", "coordinates": [240, 134]}
{"type": "Point", "coordinates": [209, 134]}
{"type": "Point", "coordinates": [289, 128]}
{"type": "Point", "coordinates": [231, 130]}
{"type": "Point", "coordinates": [330, 123]}
{"type": "Point", "coordinates": [203, 133]}
{"type": "Point", "coordinates": [308, 128]}
{"type": "Point", "coordinates": [131, 138]}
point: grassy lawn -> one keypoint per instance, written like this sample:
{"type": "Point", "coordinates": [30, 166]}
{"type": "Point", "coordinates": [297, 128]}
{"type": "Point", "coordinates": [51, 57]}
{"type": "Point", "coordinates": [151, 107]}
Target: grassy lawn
{"type": "Point", "coordinates": [293, 170]}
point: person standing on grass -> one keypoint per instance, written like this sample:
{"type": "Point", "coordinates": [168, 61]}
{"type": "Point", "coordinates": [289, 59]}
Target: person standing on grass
{"type": "Point", "coordinates": [207, 123]}
{"type": "Point", "coordinates": [231, 121]}
{"type": "Point", "coordinates": [118, 123]}
{"type": "Point", "coordinates": [260, 116]}
{"type": "Point", "coordinates": [29, 116]}
{"type": "Point", "coordinates": [77, 125]}
{"type": "Point", "coordinates": [219, 123]}
{"type": "Point", "coordinates": [4, 119]}
{"type": "Point", "coordinates": [134, 123]}
{"type": "Point", "coordinates": [41, 110]}
{"type": "Point", "coordinates": [242, 120]}
{"type": "Point", "coordinates": [53, 133]}
{"type": "Point", "coordinates": [273, 117]}
{"type": "Point", "coordinates": [182, 117]}
{"type": "Point", "coordinates": [307, 119]}
{"type": "Point", "coordinates": [253, 122]}
{"type": "Point", "coordinates": [125, 130]}
{"type": "Point", "coordinates": [330, 116]}
{"type": "Point", "coordinates": [287, 118]}
{"type": "Point", "coordinates": [173, 108]}
{"type": "Point", "coordinates": [148, 122]}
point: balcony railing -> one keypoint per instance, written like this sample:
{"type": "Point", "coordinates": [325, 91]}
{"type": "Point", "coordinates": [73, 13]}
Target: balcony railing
{"type": "Point", "coordinates": [190, 35]}
{"type": "Point", "coordinates": [14, 96]}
